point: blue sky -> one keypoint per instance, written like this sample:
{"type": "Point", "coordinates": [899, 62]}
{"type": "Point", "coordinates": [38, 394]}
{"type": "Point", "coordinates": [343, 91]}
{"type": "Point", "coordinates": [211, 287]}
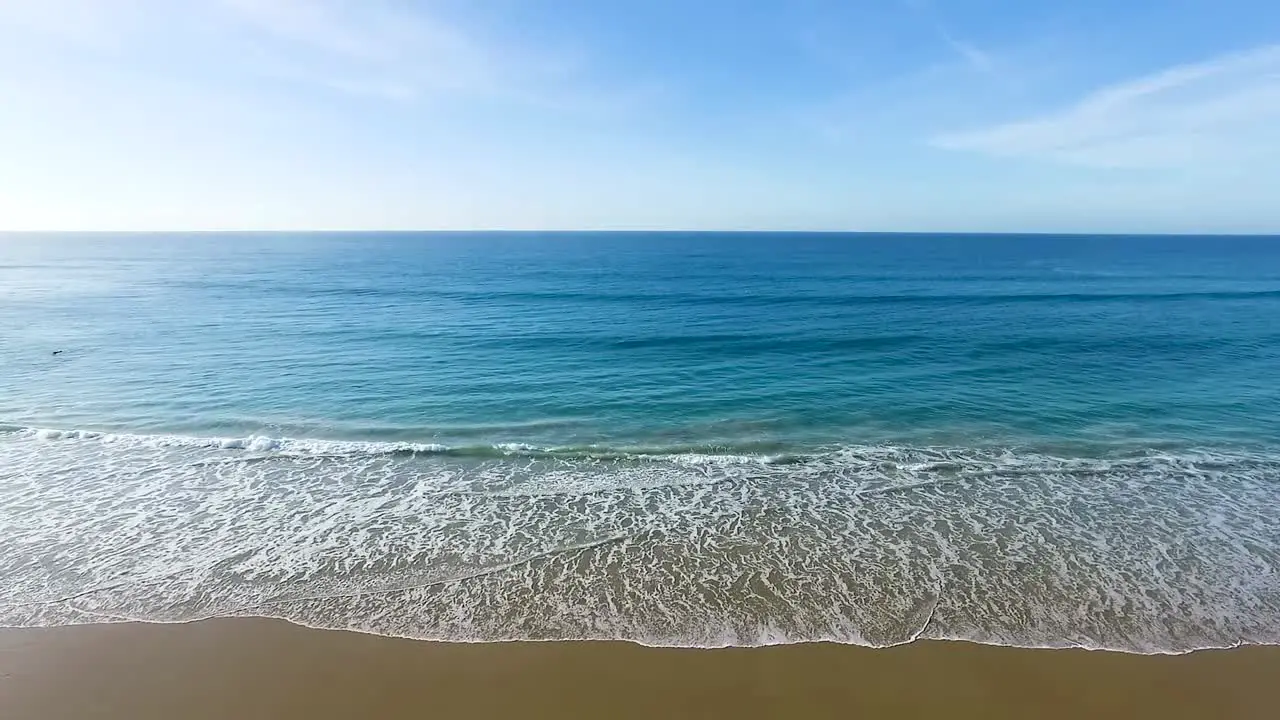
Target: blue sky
{"type": "Point", "coordinates": [972, 115]}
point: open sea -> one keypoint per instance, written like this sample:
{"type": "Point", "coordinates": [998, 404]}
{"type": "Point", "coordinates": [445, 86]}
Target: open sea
{"type": "Point", "coordinates": [675, 439]}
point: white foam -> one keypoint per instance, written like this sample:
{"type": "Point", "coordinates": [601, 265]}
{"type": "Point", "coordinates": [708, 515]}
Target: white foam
{"type": "Point", "coordinates": [51, 434]}
{"type": "Point", "coordinates": [250, 443]}
{"type": "Point", "coordinates": [1154, 552]}
{"type": "Point", "coordinates": [516, 447]}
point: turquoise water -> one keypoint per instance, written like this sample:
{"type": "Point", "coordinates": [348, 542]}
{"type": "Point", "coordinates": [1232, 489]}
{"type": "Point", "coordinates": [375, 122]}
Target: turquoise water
{"type": "Point", "coordinates": [687, 439]}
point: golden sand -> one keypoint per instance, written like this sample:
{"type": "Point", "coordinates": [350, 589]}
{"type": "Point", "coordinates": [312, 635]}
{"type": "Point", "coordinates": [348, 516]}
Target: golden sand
{"type": "Point", "coordinates": [246, 669]}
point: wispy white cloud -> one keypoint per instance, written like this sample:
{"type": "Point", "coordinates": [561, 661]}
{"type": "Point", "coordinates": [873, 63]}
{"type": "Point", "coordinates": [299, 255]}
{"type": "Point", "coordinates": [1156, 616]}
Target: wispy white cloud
{"type": "Point", "coordinates": [1223, 111]}
{"type": "Point", "coordinates": [371, 48]}
{"type": "Point", "coordinates": [972, 54]}
{"type": "Point", "coordinates": [100, 24]}
{"type": "Point", "coordinates": [975, 57]}
{"type": "Point", "coordinates": [375, 48]}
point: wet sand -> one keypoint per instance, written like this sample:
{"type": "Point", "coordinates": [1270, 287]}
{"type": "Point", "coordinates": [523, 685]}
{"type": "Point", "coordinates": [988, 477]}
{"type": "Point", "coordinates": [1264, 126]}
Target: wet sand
{"type": "Point", "coordinates": [267, 669]}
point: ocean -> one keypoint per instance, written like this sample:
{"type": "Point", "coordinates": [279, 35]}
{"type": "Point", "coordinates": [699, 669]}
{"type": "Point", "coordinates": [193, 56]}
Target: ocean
{"type": "Point", "coordinates": [676, 439]}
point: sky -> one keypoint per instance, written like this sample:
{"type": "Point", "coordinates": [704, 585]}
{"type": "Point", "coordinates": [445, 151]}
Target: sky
{"type": "Point", "coordinates": [868, 115]}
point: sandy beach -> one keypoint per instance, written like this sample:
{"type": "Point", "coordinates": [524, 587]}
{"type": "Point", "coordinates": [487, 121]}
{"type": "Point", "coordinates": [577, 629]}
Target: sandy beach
{"type": "Point", "coordinates": [247, 668]}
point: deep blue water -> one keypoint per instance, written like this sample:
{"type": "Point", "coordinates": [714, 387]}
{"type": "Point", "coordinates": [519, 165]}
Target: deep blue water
{"type": "Point", "coordinates": [585, 398]}
{"type": "Point", "coordinates": [644, 339]}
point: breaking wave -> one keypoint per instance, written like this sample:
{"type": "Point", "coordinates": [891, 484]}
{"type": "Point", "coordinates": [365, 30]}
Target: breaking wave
{"type": "Point", "coordinates": [1148, 551]}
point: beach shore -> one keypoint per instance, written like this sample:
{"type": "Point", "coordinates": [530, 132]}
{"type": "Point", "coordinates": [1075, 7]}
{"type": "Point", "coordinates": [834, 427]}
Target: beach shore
{"type": "Point", "coordinates": [249, 668]}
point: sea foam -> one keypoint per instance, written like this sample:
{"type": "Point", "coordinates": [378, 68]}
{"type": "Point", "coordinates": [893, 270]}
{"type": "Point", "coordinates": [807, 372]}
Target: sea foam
{"type": "Point", "coordinates": [1155, 551]}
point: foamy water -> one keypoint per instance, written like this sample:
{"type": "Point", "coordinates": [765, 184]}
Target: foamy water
{"type": "Point", "coordinates": [864, 545]}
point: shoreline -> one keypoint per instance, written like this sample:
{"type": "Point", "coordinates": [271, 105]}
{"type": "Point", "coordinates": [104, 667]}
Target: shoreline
{"type": "Point", "coordinates": [108, 620]}
{"type": "Point", "coordinates": [265, 668]}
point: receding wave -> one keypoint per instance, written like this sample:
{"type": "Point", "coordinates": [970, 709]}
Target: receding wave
{"type": "Point", "coordinates": [1146, 551]}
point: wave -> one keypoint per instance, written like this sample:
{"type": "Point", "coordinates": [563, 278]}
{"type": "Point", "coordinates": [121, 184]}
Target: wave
{"type": "Point", "coordinates": [1157, 550]}
{"type": "Point", "coordinates": [250, 443]}
{"type": "Point", "coordinates": [260, 446]}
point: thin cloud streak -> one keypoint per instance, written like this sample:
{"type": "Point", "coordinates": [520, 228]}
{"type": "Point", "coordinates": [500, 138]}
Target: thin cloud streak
{"type": "Point", "coordinates": [974, 56]}
{"type": "Point", "coordinates": [1223, 111]}
{"type": "Point", "coordinates": [380, 49]}
{"type": "Point", "coordinates": [375, 49]}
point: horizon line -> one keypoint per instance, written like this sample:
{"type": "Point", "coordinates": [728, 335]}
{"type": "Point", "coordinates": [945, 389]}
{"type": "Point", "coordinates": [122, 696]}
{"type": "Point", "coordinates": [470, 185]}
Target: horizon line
{"type": "Point", "coordinates": [626, 231]}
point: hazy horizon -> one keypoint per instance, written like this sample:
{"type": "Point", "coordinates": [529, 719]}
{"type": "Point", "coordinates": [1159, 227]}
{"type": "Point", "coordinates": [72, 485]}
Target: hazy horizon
{"type": "Point", "coordinates": [906, 234]}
